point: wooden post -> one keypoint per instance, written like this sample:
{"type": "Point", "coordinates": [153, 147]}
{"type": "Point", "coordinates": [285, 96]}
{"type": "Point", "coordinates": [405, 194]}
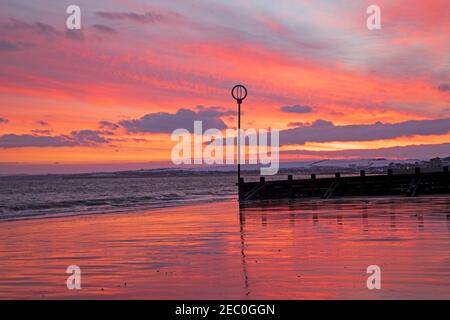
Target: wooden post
{"type": "Point", "coordinates": [447, 177]}
{"type": "Point", "coordinates": [390, 173]}
{"type": "Point", "coordinates": [263, 193]}
{"type": "Point", "coordinates": [313, 187]}
{"type": "Point", "coordinates": [362, 185]}
{"type": "Point", "coordinates": [291, 190]}
{"type": "Point", "coordinates": [340, 185]}
{"type": "Point", "coordinates": [414, 185]}
{"type": "Point", "coordinates": [333, 187]}
{"type": "Point", "coordinates": [241, 188]}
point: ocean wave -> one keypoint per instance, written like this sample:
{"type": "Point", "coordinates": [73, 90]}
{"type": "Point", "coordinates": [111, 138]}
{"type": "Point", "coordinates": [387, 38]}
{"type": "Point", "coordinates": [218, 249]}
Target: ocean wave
{"type": "Point", "coordinates": [28, 199]}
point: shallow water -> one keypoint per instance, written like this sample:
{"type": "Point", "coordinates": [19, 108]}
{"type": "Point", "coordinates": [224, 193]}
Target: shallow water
{"type": "Point", "coordinates": [278, 250]}
{"type": "Point", "coordinates": [36, 197]}
{"type": "Point", "coordinates": [31, 197]}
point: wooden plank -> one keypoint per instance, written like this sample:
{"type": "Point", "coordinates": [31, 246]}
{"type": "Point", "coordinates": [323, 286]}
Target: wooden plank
{"type": "Point", "coordinates": [361, 185]}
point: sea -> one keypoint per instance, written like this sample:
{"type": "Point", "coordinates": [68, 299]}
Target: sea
{"type": "Point", "coordinates": [200, 244]}
{"type": "Point", "coordinates": [27, 197]}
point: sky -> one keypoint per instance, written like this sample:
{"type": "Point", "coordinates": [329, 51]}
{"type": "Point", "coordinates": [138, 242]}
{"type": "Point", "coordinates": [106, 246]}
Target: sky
{"type": "Point", "coordinates": [109, 95]}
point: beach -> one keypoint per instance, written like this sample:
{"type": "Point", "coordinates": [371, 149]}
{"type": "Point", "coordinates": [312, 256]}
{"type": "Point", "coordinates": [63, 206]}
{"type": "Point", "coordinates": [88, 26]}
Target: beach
{"type": "Point", "coordinates": [316, 249]}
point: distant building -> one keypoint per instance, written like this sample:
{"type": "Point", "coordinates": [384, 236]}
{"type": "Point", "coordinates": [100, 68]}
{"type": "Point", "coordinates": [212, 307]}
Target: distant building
{"type": "Point", "coordinates": [435, 163]}
{"type": "Point", "coordinates": [446, 162]}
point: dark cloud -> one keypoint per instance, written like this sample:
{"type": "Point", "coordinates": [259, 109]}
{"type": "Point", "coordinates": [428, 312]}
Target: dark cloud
{"type": "Point", "coordinates": [296, 109]}
{"type": "Point", "coordinates": [75, 139]}
{"type": "Point", "coordinates": [41, 132]}
{"type": "Point", "coordinates": [42, 123]}
{"type": "Point", "coordinates": [44, 29]}
{"type": "Point", "coordinates": [325, 131]}
{"type": "Point", "coordinates": [90, 137]}
{"type": "Point", "coordinates": [108, 125]}
{"type": "Point", "coordinates": [3, 120]}
{"type": "Point", "coordinates": [26, 140]}
{"type": "Point", "coordinates": [144, 18]}
{"type": "Point", "coordinates": [75, 34]}
{"type": "Point", "coordinates": [163, 122]}
{"type": "Point", "coordinates": [425, 151]}
{"type": "Point", "coordinates": [444, 87]}
{"type": "Point", "coordinates": [39, 28]}
{"type": "Point", "coordinates": [14, 46]}
{"type": "Point", "coordinates": [298, 124]}
{"type": "Point", "coordinates": [104, 29]}
{"type": "Point", "coordinates": [214, 112]}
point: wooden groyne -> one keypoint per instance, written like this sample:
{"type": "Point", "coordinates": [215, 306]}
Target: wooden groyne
{"type": "Point", "coordinates": [409, 185]}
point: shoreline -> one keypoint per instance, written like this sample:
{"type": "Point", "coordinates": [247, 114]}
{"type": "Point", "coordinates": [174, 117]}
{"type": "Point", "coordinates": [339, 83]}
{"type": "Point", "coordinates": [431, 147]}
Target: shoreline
{"type": "Point", "coordinates": [293, 250]}
{"type": "Point", "coordinates": [247, 204]}
{"type": "Point", "coordinates": [142, 209]}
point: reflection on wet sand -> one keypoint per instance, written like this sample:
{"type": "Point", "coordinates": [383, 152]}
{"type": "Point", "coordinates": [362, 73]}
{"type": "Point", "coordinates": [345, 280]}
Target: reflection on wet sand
{"type": "Point", "coordinates": [392, 216]}
{"type": "Point", "coordinates": [448, 222]}
{"type": "Point", "coordinates": [401, 214]}
{"type": "Point", "coordinates": [293, 250]}
{"type": "Point", "coordinates": [244, 264]}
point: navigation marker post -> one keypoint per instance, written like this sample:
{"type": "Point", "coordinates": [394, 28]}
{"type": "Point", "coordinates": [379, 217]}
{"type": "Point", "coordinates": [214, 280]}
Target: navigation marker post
{"type": "Point", "coordinates": [239, 93]}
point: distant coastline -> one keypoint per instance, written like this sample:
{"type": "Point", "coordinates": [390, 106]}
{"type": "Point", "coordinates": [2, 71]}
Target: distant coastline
{"type": "Point", "coordinates": [320, 166]}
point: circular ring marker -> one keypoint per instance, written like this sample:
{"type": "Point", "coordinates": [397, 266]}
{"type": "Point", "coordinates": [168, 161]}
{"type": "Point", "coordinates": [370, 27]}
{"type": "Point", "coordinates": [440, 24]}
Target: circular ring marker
{"type": "Point", "coordinates": [239, 92]}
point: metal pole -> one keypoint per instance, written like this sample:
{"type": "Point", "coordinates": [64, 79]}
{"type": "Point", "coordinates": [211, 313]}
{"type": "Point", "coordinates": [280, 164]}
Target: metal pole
{"type": "Point", "coordinates": [239, 142]}
{"type": "Point", "coordinates": [239, 93]}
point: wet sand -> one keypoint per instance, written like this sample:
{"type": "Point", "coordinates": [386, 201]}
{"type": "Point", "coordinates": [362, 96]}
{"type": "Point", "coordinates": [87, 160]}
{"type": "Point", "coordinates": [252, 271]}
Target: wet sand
{"type": "Point", "coordinates": [284, 250]}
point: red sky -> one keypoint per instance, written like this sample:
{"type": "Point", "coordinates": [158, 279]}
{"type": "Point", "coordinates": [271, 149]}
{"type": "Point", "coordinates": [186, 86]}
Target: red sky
{"type": "Point", "coordinates": [112, 92]}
